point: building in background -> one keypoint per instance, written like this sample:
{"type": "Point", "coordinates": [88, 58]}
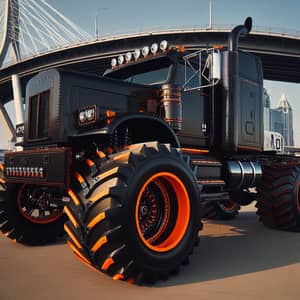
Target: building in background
{"type": "Point", "coordinates": [2, 156]}
{"type": "Point", "coordinates": [267, 108]}
{"type": "Point", "coordinates": [279, 119]}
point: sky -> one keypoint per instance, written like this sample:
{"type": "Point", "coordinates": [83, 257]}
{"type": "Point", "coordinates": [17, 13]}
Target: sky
{"type": "Point", "coordinates": [115, 16]}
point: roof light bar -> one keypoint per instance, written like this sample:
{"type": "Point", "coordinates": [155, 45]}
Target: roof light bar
{"type": "Point", "coordinates": [138, 53]}
{"type": "Point", "coordinates": [145, 51]}
{"type": "Point", "coordinates": [154, 48]}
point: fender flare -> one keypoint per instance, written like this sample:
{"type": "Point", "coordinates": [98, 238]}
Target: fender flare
{"type": "Point", "coordinates": [152, 127]}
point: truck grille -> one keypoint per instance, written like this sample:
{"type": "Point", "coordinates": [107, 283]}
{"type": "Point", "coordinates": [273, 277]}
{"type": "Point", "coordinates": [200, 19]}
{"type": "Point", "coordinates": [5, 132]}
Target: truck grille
{"type": "Point", "coordinates": [39, 115]}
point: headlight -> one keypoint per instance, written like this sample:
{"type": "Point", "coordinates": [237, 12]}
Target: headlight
{"type": "Point", "coordinates": [154, 48]}
{"type": "Point", "coordinates": [90, 114]}
{"type": "Point", "coordinates": [128, 57]}
{"type": "Point", "coordinates": [137, 54]}
{"type": "Point", "coordinates": [114, 62]}
{"type": "Point", "coordinates": [163, 45]}
{"type": "Point", "coordinates": [20, 130]}
{"type": "Point", "coordinates": [82, 117]}
{"type": "Point", "coordinates": [145, 51]}
{"type": "Point", "coordinates": [120, 59]}
{"type": "Point", "coordinates": [87, 116]}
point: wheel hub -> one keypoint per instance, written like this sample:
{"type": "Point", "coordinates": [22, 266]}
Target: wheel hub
{"type": "Point", "coordinates": [144, 211]}
{"type": "Point", "coordinates": [162, 212]}
{"type": "Point", "coordinates": [34, 203]}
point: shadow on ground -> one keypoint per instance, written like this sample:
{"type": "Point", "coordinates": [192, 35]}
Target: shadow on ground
{"type": "Point", "coordinates": [236, 247]}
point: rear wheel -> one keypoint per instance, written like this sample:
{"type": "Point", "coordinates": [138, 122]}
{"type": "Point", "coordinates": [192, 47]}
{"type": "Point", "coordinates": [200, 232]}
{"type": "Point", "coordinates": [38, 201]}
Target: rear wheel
{"type": "Point", "coordinates": [27, 216]}
{"type": "Point", "coordinates": [137, 217]}
{"type": "Point", "coordinates": [222, 210]}
{"type": "Point", "coordinates": [278, 199]}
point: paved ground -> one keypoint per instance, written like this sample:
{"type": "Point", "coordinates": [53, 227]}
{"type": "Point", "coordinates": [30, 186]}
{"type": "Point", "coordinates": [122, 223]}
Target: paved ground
{"type": "Point", "coordinates": [239, 259]}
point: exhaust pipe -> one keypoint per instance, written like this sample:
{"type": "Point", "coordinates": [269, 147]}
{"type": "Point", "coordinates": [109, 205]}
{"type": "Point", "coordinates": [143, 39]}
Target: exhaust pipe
{"type": "Point", "coordinates": [240, 30]}
{"type": "Point", "coordinates": [231, 83]}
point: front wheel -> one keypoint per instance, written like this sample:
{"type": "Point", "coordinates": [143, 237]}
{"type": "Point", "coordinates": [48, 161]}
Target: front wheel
{"type": "Point", "coordinates": [28, 215]}
{"type": "Point", "coordinates": [138, 217]}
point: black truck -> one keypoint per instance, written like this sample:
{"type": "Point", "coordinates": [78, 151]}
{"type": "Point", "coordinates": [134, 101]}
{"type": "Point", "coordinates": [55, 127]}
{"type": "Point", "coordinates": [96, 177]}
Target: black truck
{"type": "Point", "coordinates": [137, 157]}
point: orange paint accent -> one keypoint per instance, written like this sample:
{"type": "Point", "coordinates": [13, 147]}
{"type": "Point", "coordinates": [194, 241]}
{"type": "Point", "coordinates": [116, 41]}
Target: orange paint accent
{"type": "Point", "coordinates": [180, 48]}
{"type": "Point", "coordinates": [72, 236]}
{"type": "Point", "coordinates": [1, 167]}
{"type": "Point", "coordinates": [118, 277]}
{"type": "Point", "coordinates": [173, 120]}
{"type": "Point", "coordinates": [109, 150]}
{"type": "Point", "coordinates": [211, 181]}
{"type": "Point", "coordinates": [108, 173]}
{"type": "Point", "coordinates": [99, 195]}
{"type": "Point", "coordinates": [131, 147]}
{"type": "Point", "coordinates": [2, 180]}
{"type": "Point", "coordinates": [130, 280]}
{"type": "Point", "coordinates": [77, 252]}
{"type": "Point", "coordinates": [79, 177]}
{"type": "Point", "coordinates": [183, 216]}
{"type": "Point", "coordinates": [99, 244]}
{"type": "Point", "coordinates": [120, 156]}
{"type": "Point", "coordinates": [108, 262]}
{"type": "Point", "coordinates": [208, 162]}
{"type": "Point", "coordinates": [90, 163]}
{"type": "Point", "coordinates": [194, 151]}
{"type": "Point", "coordinates": [87, 264]}
{"type": "Point", "coordinates": [101, 154]}
{"type": "Point", "coordinates": [71, 217]}
{"type": "Point", "coordinates": [96, 220]}
{"type": "Point", "coordinates": [257, 149]}
{"type": "Point", "coordinates": [219, 47]}
{"type": "Point", "coordinates": [73, 197]}
{"type": "Point", "coordinates": [110, 114]}
{"type": "Point", "coordinates": [228, 205]}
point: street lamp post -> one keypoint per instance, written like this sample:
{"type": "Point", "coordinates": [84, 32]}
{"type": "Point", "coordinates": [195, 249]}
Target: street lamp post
{"type": "Point", "coordinates": [97, 32]}
{"type": "Point", "coordinates": [210, 13]}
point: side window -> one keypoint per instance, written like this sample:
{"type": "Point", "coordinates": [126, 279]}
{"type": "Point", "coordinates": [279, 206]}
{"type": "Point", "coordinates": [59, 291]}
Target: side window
{"type": "Point", "coordinates": [248, 66]}
{"type": "Point", "coordinates": [151, 77]}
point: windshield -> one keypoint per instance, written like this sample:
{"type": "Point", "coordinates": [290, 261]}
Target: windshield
{"type": "Point", "coordinates": [151, 77]}
{"type": "Point", "coordinates": [151, 71]}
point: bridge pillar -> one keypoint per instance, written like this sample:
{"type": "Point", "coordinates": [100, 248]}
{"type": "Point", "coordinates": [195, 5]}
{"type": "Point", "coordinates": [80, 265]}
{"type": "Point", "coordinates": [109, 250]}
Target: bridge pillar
{"type": "Point", "coordinates": [10, 31]}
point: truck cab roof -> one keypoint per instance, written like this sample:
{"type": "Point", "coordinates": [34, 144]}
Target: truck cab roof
{"type": "Point", "coordinates": [149, 70]}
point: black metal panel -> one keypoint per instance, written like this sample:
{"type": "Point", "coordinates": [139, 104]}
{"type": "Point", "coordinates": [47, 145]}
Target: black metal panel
{"type": "Point", "coordinates": [71, 92]}
{"type": "Point", "coordinates": [39, 166]}
{"type": "Point", "coordinates": [242, 105]}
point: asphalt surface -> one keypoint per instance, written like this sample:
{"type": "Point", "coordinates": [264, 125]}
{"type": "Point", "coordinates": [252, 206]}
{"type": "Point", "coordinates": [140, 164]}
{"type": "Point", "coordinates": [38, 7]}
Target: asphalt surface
{"type": "Point", "coordinates": [239, 259]}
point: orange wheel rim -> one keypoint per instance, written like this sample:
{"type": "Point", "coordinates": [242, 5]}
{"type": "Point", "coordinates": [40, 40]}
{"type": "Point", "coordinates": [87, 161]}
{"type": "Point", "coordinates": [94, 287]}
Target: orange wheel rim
{"type": "Point", "coordinates": [162, 212]}
{"type": "Point", "coordinates": [33, 214]}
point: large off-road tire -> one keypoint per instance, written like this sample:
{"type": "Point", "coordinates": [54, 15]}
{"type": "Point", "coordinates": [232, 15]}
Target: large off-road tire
{"type": "Point", "coordinates": [221, 210]}
{"type": "Point", "coordinates": [278, 200]}
{"type": "Point", "coordinates": [22, 221]}
{"type": "Point", "coordinates": [134, 214]}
